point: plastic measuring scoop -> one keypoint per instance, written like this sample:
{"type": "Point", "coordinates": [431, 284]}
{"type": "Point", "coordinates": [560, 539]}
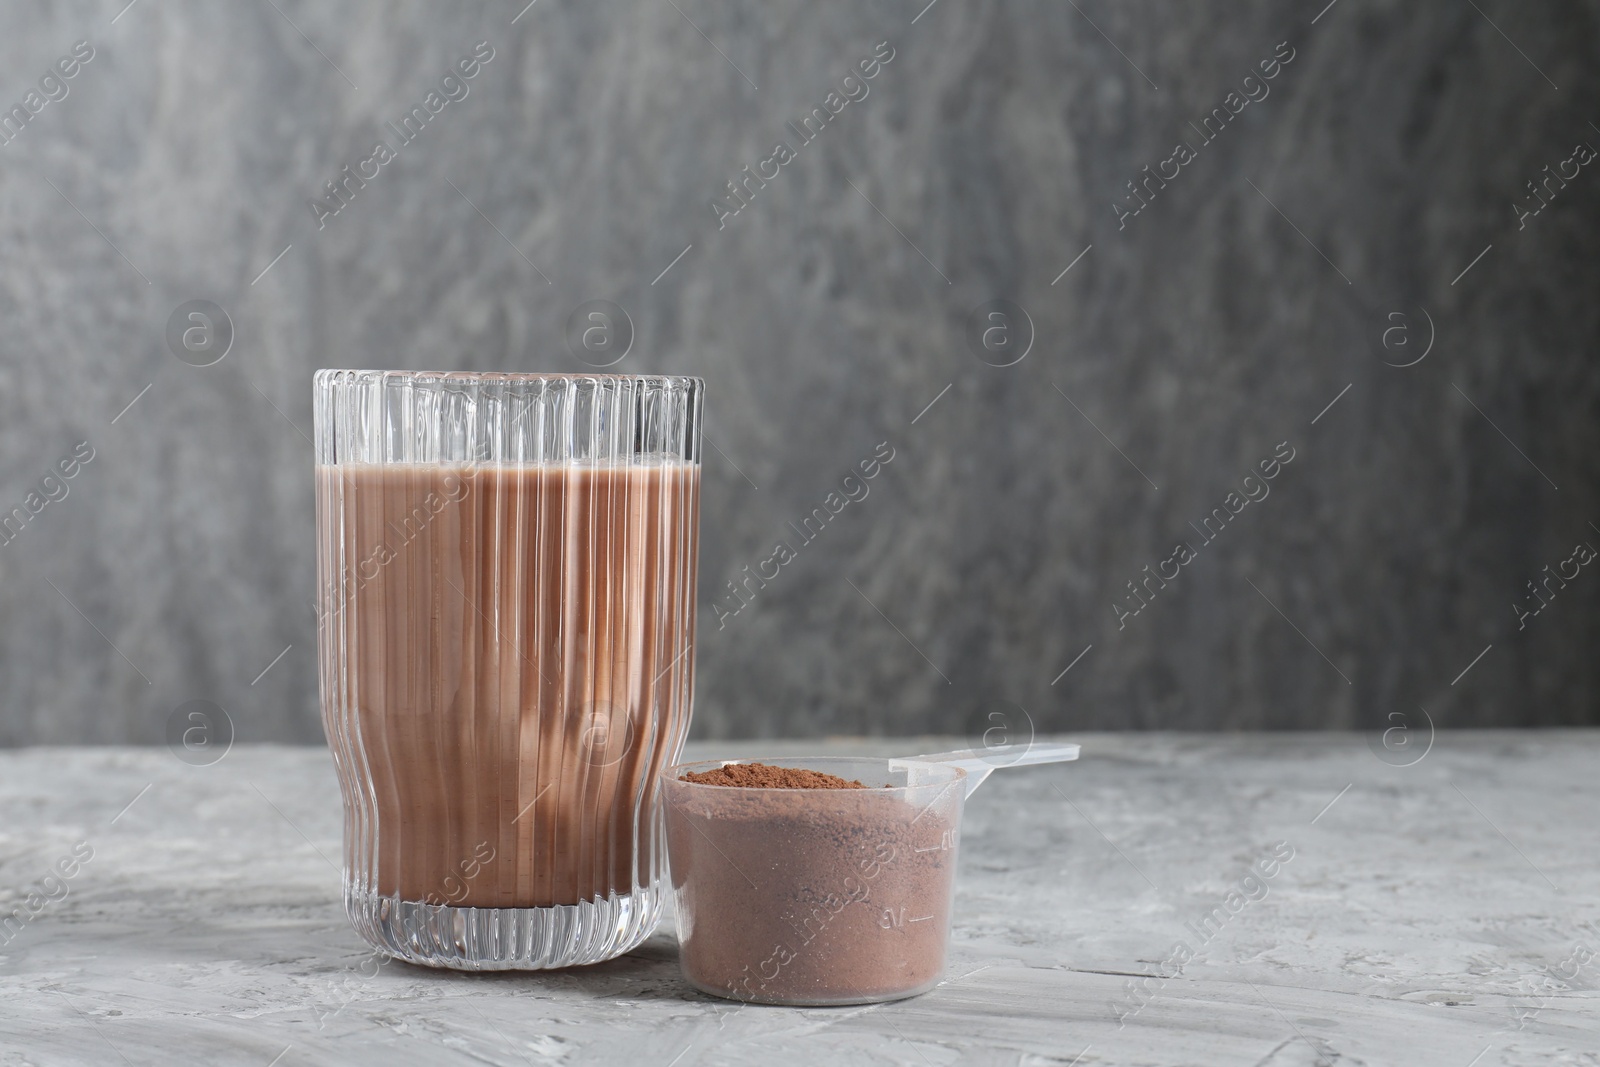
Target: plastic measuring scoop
{"type": "Point", "coordinates": [978, 763]}
{"type": "Point", "coordinates": [811, 896]}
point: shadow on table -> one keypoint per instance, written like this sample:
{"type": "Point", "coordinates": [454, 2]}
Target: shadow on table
{"type": "Point", "coordinates": [648, 972]}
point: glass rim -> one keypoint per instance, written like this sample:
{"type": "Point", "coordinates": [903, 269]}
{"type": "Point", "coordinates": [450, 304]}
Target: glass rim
{"type": "Point", "coordinates": [674, 774]}
{"type": "Point", "coordinates": [324, 373]}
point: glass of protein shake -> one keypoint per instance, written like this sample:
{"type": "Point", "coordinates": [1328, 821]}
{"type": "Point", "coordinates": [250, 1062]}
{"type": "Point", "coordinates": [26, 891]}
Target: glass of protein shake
{"type": "Point", "coordinates": [506, 605]}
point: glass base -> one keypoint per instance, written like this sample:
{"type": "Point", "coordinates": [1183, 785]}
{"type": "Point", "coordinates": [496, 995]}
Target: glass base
{"type": "Point", "coordinates": [505, 939]}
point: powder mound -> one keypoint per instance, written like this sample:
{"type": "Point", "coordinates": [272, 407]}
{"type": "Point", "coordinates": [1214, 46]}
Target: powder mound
{"type": "Point", "coordinates": [766, 776]}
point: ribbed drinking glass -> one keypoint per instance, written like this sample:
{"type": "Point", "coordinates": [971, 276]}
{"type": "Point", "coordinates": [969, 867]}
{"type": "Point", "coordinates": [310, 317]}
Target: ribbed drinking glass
{"type": "Point", "coordinates": [506, 601]}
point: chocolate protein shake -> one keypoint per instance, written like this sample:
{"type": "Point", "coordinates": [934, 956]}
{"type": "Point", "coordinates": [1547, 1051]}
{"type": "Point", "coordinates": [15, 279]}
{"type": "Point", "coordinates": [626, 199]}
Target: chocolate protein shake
{"type": "Point", "coordinates": [505, 672]}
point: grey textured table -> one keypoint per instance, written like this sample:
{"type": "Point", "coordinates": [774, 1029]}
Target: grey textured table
{"type": "Point", "coordinates": [1439, 913]}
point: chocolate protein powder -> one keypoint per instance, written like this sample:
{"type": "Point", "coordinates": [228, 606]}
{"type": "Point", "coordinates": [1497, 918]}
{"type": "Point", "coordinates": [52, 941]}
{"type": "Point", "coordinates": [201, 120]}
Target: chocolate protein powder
{"type": "Point", "coordinates": [800, 887]}
{"type": "Point", "coordinates": [766, 776]}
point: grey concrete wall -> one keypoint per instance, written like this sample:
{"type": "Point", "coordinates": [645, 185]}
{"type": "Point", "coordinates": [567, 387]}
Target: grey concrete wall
{"type": "Point", "coordinates": [1316, 243]}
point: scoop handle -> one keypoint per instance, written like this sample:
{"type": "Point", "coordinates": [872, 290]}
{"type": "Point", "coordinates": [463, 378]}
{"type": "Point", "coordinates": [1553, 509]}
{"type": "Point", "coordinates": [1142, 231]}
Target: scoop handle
{"type": "Point", "coordinates": [979, 763]}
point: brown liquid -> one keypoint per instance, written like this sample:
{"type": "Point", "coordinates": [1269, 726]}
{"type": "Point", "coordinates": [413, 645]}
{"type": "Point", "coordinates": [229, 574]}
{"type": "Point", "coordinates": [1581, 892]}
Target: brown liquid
{"type": "Point", "coordinates": [505, 673]}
